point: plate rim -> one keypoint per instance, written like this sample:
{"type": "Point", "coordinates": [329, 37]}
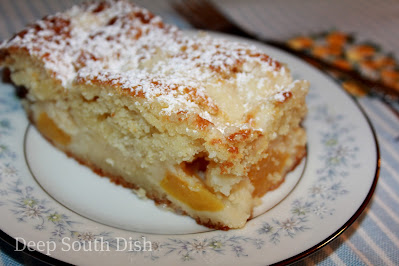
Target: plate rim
{"type": "Point", "coordinates": [52, 260]}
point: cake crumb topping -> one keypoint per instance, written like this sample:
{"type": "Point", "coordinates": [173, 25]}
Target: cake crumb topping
{"type": "Point", "coordinates": [119, 44]}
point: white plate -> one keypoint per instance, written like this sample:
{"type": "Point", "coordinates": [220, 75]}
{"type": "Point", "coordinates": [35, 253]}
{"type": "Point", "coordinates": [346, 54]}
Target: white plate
{"type": "Point", "coordinates": [337, 182]}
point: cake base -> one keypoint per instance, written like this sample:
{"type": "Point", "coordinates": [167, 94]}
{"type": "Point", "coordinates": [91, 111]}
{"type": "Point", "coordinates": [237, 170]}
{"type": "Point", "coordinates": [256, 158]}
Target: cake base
{"type": "Point", "coordinates": [102, 167]}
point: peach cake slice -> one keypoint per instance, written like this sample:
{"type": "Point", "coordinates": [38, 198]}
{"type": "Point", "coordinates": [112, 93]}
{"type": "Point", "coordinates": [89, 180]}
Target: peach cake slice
{"type": "Point", "coordinates": [204, 125]}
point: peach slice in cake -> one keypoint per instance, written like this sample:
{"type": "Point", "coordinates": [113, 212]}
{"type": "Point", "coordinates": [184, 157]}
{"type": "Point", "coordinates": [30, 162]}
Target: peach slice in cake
{"type": "Point", "coordinates": [205, 125]}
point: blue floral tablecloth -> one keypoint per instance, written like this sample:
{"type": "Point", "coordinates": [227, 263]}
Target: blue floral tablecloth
{"type": "Point", "coordinates": [373, 239]}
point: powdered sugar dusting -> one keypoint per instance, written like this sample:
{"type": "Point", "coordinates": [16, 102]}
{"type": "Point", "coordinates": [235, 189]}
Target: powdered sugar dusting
{"type": "Point", "coordinates": [120, 44]}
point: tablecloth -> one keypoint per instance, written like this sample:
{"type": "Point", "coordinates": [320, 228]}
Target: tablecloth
{"type": "Point", "coordinates": [373, 239]}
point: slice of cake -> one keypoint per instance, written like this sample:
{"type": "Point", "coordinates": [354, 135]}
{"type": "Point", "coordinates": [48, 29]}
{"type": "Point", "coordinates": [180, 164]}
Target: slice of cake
{"type": "Point", "coordinates": [203, 125]}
